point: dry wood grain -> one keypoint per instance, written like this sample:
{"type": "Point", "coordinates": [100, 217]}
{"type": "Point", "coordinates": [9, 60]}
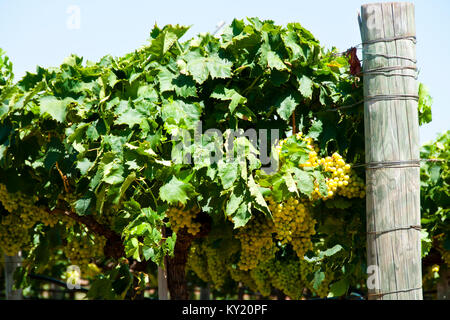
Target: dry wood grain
{"type": "Point", "coordinates": [392, 134]}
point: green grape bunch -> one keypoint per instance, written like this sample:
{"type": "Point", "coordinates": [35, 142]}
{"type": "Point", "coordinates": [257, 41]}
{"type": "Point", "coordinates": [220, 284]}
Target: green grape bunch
{"type": "Point", "coordinates": [14, 236]}
{"type": "Point", "coordinates": [29, 211]}
{"type": "Point", "coordinates": [256, 241]}
{"type": "Point", "coordinates": [82, 248]}
{"type": "Point", "coordinates": [293, 223]}
{"type": "Point", "coordinates": [197, 261]}
{"type": "Point", "coordinates": [181, 217]}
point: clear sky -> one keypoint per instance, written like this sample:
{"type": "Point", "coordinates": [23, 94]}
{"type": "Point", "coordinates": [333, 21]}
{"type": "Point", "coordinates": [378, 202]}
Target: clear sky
{"type": "Point", "coordinates": [44, 32]}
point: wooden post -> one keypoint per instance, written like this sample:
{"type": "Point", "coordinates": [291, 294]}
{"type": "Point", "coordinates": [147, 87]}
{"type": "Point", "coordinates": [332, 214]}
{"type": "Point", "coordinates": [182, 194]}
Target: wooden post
{"type": "Point", "coordinates": [163, 291]}
{"type": "Point", "coordinates": [391, 134]}
{"type": "Point", "coordinates": [11, 263]}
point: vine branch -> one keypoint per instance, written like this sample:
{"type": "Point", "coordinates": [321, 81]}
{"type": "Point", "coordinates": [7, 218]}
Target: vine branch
{"type": "Point", "coordinates": [114, 246]}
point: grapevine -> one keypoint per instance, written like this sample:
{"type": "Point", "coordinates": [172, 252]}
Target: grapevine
{"type": "Point", "coordinates": [197, 262]}
{"type": "Point", "coordinates": [181, 217]}
{"type": "Point", "coordinates": [257, 244]}
{"type": "Point", "coordinates": [293, 223]}
{"type": "Point", "coordinates": [81, 248]}
{"type": "Point", "coordinates": [91, 150]}
{"type": "Point", "coordinates": [13, 234]}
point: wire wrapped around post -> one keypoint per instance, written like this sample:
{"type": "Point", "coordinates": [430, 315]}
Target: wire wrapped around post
{"type": "Point", "coordinates": [391, 148]}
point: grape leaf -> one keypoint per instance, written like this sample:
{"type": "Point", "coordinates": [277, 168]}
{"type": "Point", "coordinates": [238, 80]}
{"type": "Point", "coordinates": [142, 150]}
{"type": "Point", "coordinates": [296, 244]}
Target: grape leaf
{"type": "Point", "coordinates": [228, 173]}
{"type": "Point", "coordinates": [56, 108]}
{"type": "Point", "coordinates": [286, 105]}
{"type": "Point", "coordinates": [243, 215]}
{"type": "Point", "coordinates": [176, 191]}
{"type": "Point", "coordinates": [85, 204]}
{"type": "Point", "coordinates": [339, 288]}
{"type": "Point", "coordinates": [130, 118]}
{"type": "Point", "coordinates": [304, 180]}
{"type": "Point", "coordinates": [305, 86]}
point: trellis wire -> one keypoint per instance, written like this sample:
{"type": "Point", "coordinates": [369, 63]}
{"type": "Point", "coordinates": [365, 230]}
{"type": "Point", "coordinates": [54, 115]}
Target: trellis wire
{"type": "Point", "coordinates": [377, 98]}
{"type": "Point", "coordinates": [392, 292]}
{"type": "Point", "coordinates": [397, 164]}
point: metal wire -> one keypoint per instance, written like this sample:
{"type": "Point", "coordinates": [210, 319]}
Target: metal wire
{"type": "Point", "coordinates": [404, 37]}
{"type": "Point", "coordinates": [347, 106]}
{"type": "Point", "coordinates": [395, 229]}
{"type": "Point", "coordinates": [397, 164]}
{"type": "Point", "coordinates": [415, 77]}
{"type": "Point", "coordinates": [387, 71]}
{"type": "Point", "coordinates": [390, 68]}
{"type": "Point", "coordinates": [389, 164]}
{"type": "Point", "coordinates": [375, 98]}
{"type": "Point", "coordinates": [360, 45]}
{"type": "Point", "coordinates": [390, 97]}
{"type": "Point", "coordinates": [374, 55]}
{"type": "Point", "coordinates": [392, 292]}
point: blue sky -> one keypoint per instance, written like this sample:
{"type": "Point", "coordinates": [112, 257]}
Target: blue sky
{"type": "Point", "coordinates": [36, 32]}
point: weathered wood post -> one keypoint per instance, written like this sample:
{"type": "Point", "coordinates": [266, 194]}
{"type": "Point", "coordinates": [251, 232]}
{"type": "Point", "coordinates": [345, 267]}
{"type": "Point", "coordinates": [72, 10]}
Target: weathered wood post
{"type": "Point", "coordinates": [163, 291]}
{"type": "Point", "coordinates": [392, 150]}
{"type": "Point", "coordinates": [11, 264]}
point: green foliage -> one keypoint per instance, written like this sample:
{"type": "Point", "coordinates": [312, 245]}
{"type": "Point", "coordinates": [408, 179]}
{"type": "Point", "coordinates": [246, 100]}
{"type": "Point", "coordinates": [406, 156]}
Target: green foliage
{"type": "Point", "coordinates": [96, 140]}
{"type": "Point", "coordinates": [102, 132]}
{"type": "Point", "coordinates": [6, 70]}
{"type": "Point", "coordinates": [425, 103]}
{"type": "Point", "coordinates": [435, 192]}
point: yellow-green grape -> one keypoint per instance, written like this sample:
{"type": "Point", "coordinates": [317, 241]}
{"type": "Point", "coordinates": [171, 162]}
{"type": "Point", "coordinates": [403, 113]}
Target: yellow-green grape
{"type": "Point", "coordinates": [306, 268]}
{"type": "Point", "coordinates": [342, 181]}
{"type": "Point", "coordinates": [90, 270]}
{"type": "Point", "coordinates": [106, 216]}
{"type": "Point", "coordinates": [431, 273]}
{"type": "Point", "coordinates": [30, 213]}
{"type": "Point", "coordinates": [13, 235]}
{"type": "Point", "coordinates": [210, 262]}
{"type": "Point", "coordinates": [181, 217]}
{"type": "Point", "coordinates": [34, 214]}
{"type": "Point", "coordinates": [10, 201]}
{"type": "Point", "coordinates": [293, 224]}
{"type": "Point", "coordinates": [197, 262]}
{"type": "Point", "coordinates": [81, 248]}
{"type": "Point", "coordinates": [301, 246]}
{"type": "Point", "coordinates": [354, 188]}
{"type": "Point", "coordinates": [216, 262]}
{"type": "Point", "coordinates": [313, 158]}
{"type": "Point", "coordinates": [242, 276]}
{"type": "Point", "coordinates": [261, 278]}
{"type": "Point", "coordinates": [287, 277]}
{"type": "Point", "coordinates": [256, 242]}
{"type": "Point", "coordinates": [339, 175]}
